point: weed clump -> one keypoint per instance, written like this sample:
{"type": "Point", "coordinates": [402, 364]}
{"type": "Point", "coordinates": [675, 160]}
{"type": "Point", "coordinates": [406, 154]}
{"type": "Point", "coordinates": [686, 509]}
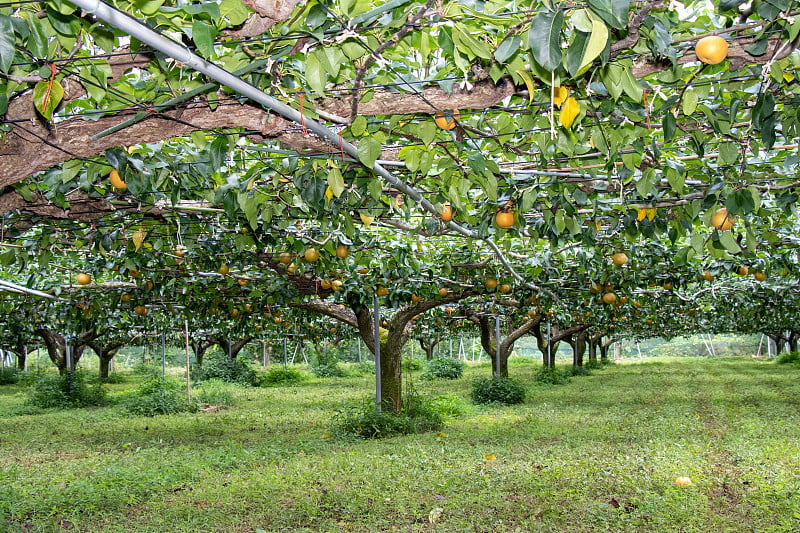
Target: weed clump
{"type": "Point", "coordinates": [219, 366]}
{"type": "Point", "coordinates": [214, 392]}
{"type": "Point", "coordinates": [497, 390]}
{"type": "Point", "coordinates": [579, 371]}
{"type": "Point", "coordinates": [788, 358]}
{"type": "Point", "coordinates": [282, 376]}
{"type": "Point", "coordinates": [364, 368]}
{"type": "Point", "coordinates": [8, 375]}
{"type": "Point", "coordinates": [158, 396]}
{"type": "Point", "coordinates": [65, 391]}
{"type": "Point", "coordinates": [443, 368]}
{"type": "Point", "coordinates": [411, 365]}
{"type": "Point", "coordinates": [363, 420]}
{"type": "Point", "coordinates": [551, 376]}
{"type": "Point", "coordinates": [449, 406]}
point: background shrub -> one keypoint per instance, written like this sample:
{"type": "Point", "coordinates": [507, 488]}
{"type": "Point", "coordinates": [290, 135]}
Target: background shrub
{"type": "Point", "coordinates": [158, 396]}
{"type": "Point", "coordinates": [8, 375]}
{"type": "Point", "coordinates": [280, 375]}
{"type": "Point", "coordinates": [449, 406]}
{"type": "Point", "coordinates": [410, 364]}
{"type": "Point", "coordinates": [443, 368]}
{"type": "Point", "coordinates": [325, 363]}
{"type": "Point", "coordinates": [363, 420]}
{"type": "Point", "coordinates": [214, 392]}
{"type": "Point", "coordinates": [497, 390]}
{"type": "Point", "coordinates": [217, 365]}
{"type": "Point", "coordinates": [579, 371]}
{"type": "Point", "coordinates": [787, 358]}
{"type": "Point", "coordinates": [114, 378]}
{"type": "Point", "coordinates": [551, 376]}
{"type": "Point", "coordinates": [65, 391]}
{"type": "Point", "coordinates": [364, 368]}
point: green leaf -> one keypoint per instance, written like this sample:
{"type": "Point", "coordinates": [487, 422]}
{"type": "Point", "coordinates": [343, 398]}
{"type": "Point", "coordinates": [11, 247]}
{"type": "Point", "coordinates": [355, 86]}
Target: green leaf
{"type": "Point", "coordinates": [467, 43]}
{"type": "Point", "coordinates": [46, 97]}
{"type": "Point", "coordinates": [369, 150]}
{"type": "Point", "coordinates": [336, 182]}
{"type": "Point", "coordinates": [371, 15]}
{"type": "Point", "coordinates": [234, 11]}
{"type": "Point", "coordinates": [315, 75]}
{"type": "Point", "coordinates": [689, 102]}
{"type": "Point", "coordinates": [529, 83]}
{"type": "Point", "coordinates": [359, 126]}
{"type": "Point", "coordinates": [613, 12]}
{"type": "Point", "coordinates": [645, 184]}
{"type": "Point", "coordinates": [576, 51]}
{"type": "Point", "coordinates": [728, 153]}
{"type": "Point", "coordinates": [676, 179]}
{"type": "Point", "coordinates": [7, 42]}
{"type": "Point", "coordinates": [37, 40]}
{"type": "Point", "coordinates": [203, 36]}
{"type": "Point", "coordinates": [728, 241]}
{"type": "Point", "coordinates": [669, 124]}
{"type": "Point", "coordinates": [148, 7]}
{"type": "Point", "coordinates": [507, 48]}
{"type": "Point", "coordinates": [593, 47]}
{"type": "Point", "coordinates": [729, 5]}
{"type": "Point", "coordinates": [544, 39]}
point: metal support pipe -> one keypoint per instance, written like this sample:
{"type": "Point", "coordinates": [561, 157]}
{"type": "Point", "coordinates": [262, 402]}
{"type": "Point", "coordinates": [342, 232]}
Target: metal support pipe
{"type": "Point", "coordinates": [180, 53]}
{"type": "Point", "coordinates": [285, 353]}
{"type": "Point", "coordinates": [163, 355]}
{"type": "Point", "coordinates": [70, 364]}
{"type": "Point", "coordinates": [377, 333]}
{"type": "Point", "coordinates": [497, 345]}
{"type": "Point", "coordinates": [188, 368]}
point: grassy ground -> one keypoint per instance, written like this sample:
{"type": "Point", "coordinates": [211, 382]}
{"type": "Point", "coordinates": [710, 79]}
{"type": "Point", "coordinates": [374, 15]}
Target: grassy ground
{"type": "Point", "coordinates": [598, 454]}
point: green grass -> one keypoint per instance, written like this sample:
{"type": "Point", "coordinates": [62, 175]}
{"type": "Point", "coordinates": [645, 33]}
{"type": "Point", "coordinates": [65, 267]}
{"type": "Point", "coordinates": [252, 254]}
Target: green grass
{"type": "Point", "coordinates": [600, 453]}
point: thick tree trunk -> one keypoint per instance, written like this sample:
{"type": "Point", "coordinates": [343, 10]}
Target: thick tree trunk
{"type": "Point", "coordinates": [488, 329]}
{"type": "Point", "coordinates": [779, 341]}
{"type": "Point", "coordinates": [20, 350]}
{"type": "Point", "coordinates": [794, 337]}
{"type": "Point", "coordinates": [105, 365]}
{"type": "Point", "coordinates": [391, 356]}
{"type": "Point", "coordinates": [604, 346]}
{"type": "Point", "coordinates": [199, 347]}
{"type": "Point", "coordinates": [232, 349]}
{"type": "Point", "coordinates": [105, 353]}
{"type": "Point", "coordinates": [578, 348]}
{"type": "Point", "coordinates": [428, 345]}
{"type": "Point", "coordinates": [398, 331]}
{"type": "Point", "coordinates": [56, 347]}
{"type": "Point", "coordinates": [594, 341]}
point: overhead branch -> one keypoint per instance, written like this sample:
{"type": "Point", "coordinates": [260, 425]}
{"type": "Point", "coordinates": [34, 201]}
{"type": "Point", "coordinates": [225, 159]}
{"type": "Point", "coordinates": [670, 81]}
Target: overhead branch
{"type": "Point", "coordinates": [330, 309]}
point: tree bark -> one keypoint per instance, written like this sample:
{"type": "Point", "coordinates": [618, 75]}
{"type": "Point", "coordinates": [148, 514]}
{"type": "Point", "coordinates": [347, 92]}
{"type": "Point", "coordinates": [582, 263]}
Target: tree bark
{"type": "Point", "coordinates": [578, 348]}
{"type": "Point", "coordinates": [230, 348]}
{"type": "Point", "coordinates": [105, 352]}
{"type": "Point", "coordinates": [398, 331]}
{"type": "Point", "coordinates": [779, 340]}
{"type": "Point", "coordinates": [604, 346]}
{"type": "Point", "coordinates": [56, 346]}
{"type": "Point", "coordinates": [428, 345]}
{"type": "Point", "coordinates": [794, 337]}
{"type": "Point", "coordinates": [20, 350]}
{"type": "Point", "coordinates": [199, 347]}
{"type": "Point", "coordinates": [488, 338]}
{"type": "Point", "coordinates": [594, 341]}
{"type": "Point", "coordinates": [556, 336]}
